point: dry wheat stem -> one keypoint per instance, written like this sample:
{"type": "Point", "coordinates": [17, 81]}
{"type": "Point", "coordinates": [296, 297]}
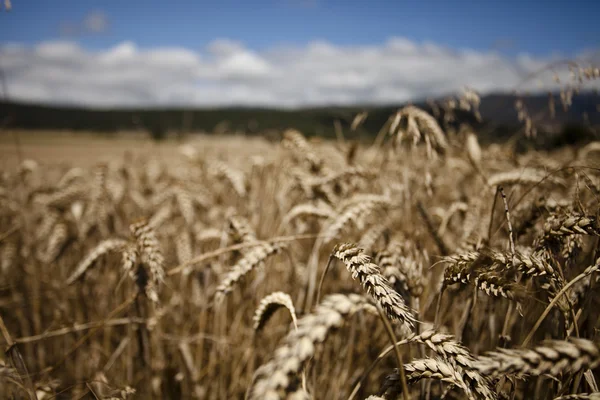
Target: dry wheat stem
{"type": "Point", "coordinates": [81, 327]}
{"type": "Point", "coordinates": [587, 272]}
{"type": "Point", "coordinates": [128, 302]}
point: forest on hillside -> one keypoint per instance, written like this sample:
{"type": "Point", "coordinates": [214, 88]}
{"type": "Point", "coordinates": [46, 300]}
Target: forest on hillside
{"type": "Point", "coordinates": [498, 121]}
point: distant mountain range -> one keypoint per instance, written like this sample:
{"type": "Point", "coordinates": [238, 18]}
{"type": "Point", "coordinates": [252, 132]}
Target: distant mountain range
{"type": "Point", "coordinates": [497, 110]}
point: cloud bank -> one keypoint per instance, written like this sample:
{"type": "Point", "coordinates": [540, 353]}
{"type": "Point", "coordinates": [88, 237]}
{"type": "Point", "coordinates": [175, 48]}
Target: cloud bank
{"type": "Point", "coordinates": [228, 73]}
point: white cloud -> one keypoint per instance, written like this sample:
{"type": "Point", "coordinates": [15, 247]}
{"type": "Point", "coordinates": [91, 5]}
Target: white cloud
{"type": "Point", "coordinates": [118, 54]}
{"type": "Point", "coordinates": [93, 23]}
{"type": "Point", "coordinates": [227, 73]}
{"type": "Point", "coordinates": [96, 22]}
{"type": "Point", "coordinates": [57, 50]}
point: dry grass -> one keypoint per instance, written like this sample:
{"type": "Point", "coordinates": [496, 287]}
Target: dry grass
{"type": "Point", "coordinates": [147, 271]}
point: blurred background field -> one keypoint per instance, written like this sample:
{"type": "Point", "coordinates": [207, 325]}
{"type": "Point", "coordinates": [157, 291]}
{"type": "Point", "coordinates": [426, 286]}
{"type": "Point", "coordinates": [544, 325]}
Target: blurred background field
{"type": "Point", "coordinates": [85, 149]}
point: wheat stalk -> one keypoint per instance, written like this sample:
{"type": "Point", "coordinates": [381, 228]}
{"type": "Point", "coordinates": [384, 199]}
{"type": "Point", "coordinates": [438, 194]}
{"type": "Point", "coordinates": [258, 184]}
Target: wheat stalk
{"type": "Point", "coordinates": [250, 261]}
{"type": "Point", "coordinates": [150, 255]}
{"type": "Point", "coordinates": [240, 230]}
{"type": "Point", "coordinates": [580, 396]}
{"type": "Point", "coordinates": [525, 176]}
{"type": "Point", "coordinates": [426, 368]}
{"type": "Point", "coordinates": [296, 142]}
{"type": "Point", "coordinates": [358, 208]}
{"type": "Point", "coordinates": [319, 210]}
{"type": "Point", "coordinates": [269, 304]}
{"type": "Point", "coordinates": [278, 378]}
{"type": "Point", "coordinates": [368, 274]}
{"type": "Point", "coordinates": [101, 249]}
{"type": "Point", "coordinates": [555, 357]}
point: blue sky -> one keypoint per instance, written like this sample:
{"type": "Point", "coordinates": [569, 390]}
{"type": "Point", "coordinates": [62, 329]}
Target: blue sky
{"type": "Point", "coordinates": [535, 27]}
{"type": "Point", "coordinates": [286, 53]}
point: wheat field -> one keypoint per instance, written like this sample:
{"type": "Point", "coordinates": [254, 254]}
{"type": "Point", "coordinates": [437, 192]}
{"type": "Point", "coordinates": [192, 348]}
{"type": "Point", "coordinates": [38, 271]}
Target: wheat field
{"type": "Point", "coordinates": [418, 266]}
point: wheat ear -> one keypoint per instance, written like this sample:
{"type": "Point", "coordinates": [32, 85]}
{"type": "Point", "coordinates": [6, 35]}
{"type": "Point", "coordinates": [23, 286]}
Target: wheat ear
{"type": "Point", "coordinates": [426, 368]}
{"type": "Point", "coordinates": [249, 262]}
{"type": "Point", "coordinates": [278, 378]}
{"type": "Point", "coordinates": [271, 303]}
{"type": "Point", "coordinates": [553, 357]}
{"type": "Point", "coordinates": [150, 255]}
{"type": "Point", "coordinates": [361, 268]}
{"type": "Point", "coordinates": [102, 248]}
